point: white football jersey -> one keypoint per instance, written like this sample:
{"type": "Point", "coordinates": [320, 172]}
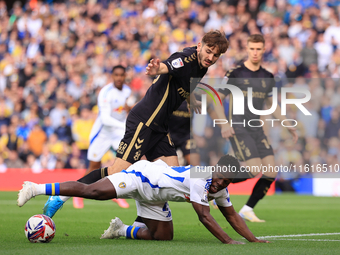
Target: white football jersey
{"type": "Point", "coordinates": [112, 113]}
{"type": "Point", "coordinates": [160, 182]}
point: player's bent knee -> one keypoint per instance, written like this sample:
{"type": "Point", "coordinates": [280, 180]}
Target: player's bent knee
{"type": "Point", "coordinates": [163, 236]}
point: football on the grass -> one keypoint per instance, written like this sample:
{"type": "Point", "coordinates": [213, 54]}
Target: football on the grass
{"type": "Point", "coordinates": [40, 229]}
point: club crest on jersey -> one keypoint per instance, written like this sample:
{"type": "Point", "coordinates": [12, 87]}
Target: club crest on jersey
{"type": "Point", "coordinates": [122, 185]}
{"type": "Point", "coordinates": [177, 63]}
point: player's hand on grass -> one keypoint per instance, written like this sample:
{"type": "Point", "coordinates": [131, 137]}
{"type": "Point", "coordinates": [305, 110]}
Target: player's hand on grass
{"type": "Point", "coordinates": [234, 242]}
{"type": "Point", "coordinates": [227, 131]}
{"type": "Point", "coordinates": [292, 131]}
{"type": "Point", "coordinates": [153, 67]}
{"type": "Point", "coordinates": [261, 241]}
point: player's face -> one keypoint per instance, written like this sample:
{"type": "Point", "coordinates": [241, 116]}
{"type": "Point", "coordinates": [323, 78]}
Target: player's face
{"type": "Point", "coordinates": [118, 77]}
{"type": "Point", "coordinates": [218, 183]}
{"type": "Point", "coordinates": [207, 56]}
{"type": "Point", "coordinates": [255, 52]}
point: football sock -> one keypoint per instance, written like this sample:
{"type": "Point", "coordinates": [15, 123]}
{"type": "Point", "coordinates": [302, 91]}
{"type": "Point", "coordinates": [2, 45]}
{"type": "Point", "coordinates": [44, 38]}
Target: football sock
{"type": "Point", "coordinates": [94, 176]}
{"type": "Point", "coordinates": [242, 176]}
{"type": "Point", "coordinates": [260, 190]}
{"type": "Point", "coordinates": [130, 232]}
{"type": "Point", "coordinates": [40, 189]}
{"type": "Point", "coordinates": [52, 189]}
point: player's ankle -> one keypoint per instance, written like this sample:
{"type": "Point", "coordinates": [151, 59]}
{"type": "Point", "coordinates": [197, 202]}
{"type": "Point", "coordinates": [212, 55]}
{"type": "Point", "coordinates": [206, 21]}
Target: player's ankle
{"type": "Point", "coordinates": [246, 208]}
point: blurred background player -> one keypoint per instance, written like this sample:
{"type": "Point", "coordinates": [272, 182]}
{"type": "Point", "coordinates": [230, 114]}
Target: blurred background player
{"type": "Point", "coordinates": [250, 144]}
{"type": "Point", "coordinates": [108, 129]}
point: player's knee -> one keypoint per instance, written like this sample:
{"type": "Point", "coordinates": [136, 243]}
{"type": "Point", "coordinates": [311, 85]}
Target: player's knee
{"type": "Point", "coordinates": [163, 235]}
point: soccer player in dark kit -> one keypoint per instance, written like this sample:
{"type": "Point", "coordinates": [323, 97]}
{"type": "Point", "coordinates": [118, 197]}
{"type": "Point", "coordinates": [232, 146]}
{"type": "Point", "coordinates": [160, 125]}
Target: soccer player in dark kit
{"type": "Point", "coordinates": [250, 144]}
{"type": "Point", "coordinates": [147, 123]}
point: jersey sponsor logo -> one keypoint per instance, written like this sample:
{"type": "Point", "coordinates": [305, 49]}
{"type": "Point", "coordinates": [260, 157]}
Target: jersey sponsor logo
{"type": "Point", "coordinates": [177, 63]}
{"type": "Point", "coordinates": [119, 109]}
{"type": "Point", "coordinates": [122, 185]}
{"type": "Point", "coordinates": [183, 93]}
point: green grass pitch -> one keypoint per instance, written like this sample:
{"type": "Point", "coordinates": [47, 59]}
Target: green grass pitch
{"type": "Point", "coordinates": [78, 230]}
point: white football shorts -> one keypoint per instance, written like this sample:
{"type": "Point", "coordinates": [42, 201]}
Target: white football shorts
{"type": "Point", "coordinates": [130, 186]}
{"type": "Point", "coordinates": [102, 142]}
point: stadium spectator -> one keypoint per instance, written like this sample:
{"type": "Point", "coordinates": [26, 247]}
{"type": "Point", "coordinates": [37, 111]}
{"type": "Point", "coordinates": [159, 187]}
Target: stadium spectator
{"type": "Point", "coordinates": [88, 39]}
{"type": "Point", "coordinates": [64, 131]}
{"type": "Point", "coordinates": [13, 161]}
{"type": "Point", "coordinates": [36, 140]}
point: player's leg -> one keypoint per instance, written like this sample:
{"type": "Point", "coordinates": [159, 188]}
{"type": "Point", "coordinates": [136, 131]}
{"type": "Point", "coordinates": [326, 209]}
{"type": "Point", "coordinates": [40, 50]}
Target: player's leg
{"type": "Point", "coordinates": [100, 190]}
{"type": "Point", "coordinates": [153, 230]}
{"type": "Point", "coordinates": [262, 186]}
{"type": "Point", "coordinates": [78, 201]}
{"type": "Point", "coordinates": [170, 160]}
{"type": "Point", "coordinates": [157, 223]}
{"type": "Point", "coordinates": [118, 166]}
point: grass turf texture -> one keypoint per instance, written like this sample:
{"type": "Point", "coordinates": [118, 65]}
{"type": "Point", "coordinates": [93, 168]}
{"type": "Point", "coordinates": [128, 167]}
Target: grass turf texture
{"type": "Point", "coordinates": [78, 231]}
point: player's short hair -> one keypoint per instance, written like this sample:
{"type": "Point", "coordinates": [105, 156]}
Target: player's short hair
{"type": "Point", "coordinates": [216, 38]}
{"type": "Point", "coordinates": [256, 38]}
{"type": "Point", "coordinates": [118, 67]}
{"type": "Point", "coordinates": [232, 164]}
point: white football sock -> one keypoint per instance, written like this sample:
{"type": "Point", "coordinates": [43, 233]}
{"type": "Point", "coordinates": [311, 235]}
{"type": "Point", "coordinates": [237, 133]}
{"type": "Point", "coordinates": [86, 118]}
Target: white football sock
{"type": "Point", "coordinates": [122, 231]}
{"type": "Point", "coordinates": [40, 189]}
{"type": "Point", "coordinates": [246, 208]}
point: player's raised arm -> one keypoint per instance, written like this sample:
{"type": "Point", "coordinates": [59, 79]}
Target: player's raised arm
{"type": "Point", "coordinates": [210, 223]}
{"type": "Point", "coordinates": [238, 224]}
{"type": "Point", "coordinates": [155, 67]}
{"type": "Point", "coordinates": [277, 115]}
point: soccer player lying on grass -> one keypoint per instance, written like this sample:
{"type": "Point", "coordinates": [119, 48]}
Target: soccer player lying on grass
{"type": "Point", "coordinates": [151, 184]}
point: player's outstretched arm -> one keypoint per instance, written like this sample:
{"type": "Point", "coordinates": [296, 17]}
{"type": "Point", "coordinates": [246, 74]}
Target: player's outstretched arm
{"type": "Point", "coordinates": [209, 222]}
{"type": "Point", "coordinates": [238, 224]}
{"type": "Point", "coordinates": [155, 67]}
{"type": "Point", "coordinates": [277, 115]}
{"type": "Point", "coordinates": [218, 113]}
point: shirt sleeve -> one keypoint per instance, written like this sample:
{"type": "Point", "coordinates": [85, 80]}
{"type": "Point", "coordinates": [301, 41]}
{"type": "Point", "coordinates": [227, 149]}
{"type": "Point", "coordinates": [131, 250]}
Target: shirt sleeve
{"type": "Point", "coordinates": [178, 64]}
{"type": "Point", "coordinates": [223, 199]}
{"type": "Point", "coordinates": [104, 106]}
{"type": "Point", "coordinates": [198, 192]}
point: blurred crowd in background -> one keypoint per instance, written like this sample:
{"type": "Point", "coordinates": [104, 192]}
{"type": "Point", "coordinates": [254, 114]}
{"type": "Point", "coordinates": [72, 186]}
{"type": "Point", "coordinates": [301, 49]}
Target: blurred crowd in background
{"type": "Point", "coordinates": [56, 55]}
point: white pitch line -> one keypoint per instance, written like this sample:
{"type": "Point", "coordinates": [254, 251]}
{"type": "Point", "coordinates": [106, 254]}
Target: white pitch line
{"type": "Point", "coordinates": [314, 234]}
{"type": "Point", "coordinates": [316, 240]}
